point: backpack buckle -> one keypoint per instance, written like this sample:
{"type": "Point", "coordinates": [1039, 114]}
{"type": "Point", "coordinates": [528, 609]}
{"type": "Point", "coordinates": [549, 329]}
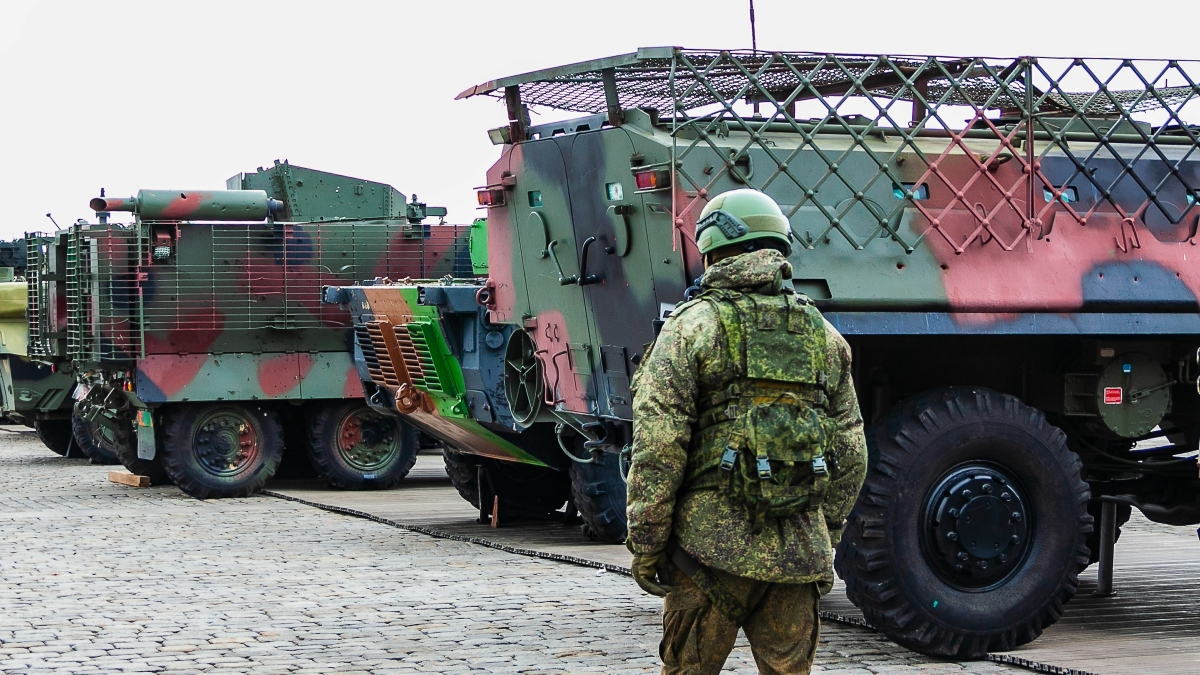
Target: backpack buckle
{"type": "Point", "coordinates": [764, 468]}
{"type": "Point", "coordinates": [819, 467]}
{"type": "Point", "coordinates": [728, 459]}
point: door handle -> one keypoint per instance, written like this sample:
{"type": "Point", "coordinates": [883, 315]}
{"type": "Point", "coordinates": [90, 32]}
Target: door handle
{"type": "Point", "coordinates": [618, 215]}
{"type": "Point", "coordinates": [562, 280]}
{"type": "Point", "coordinates": [586, 279]}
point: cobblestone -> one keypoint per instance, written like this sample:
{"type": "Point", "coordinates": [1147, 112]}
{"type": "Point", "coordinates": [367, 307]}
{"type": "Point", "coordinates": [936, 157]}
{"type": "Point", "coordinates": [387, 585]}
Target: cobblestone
{"type": "Point", "coordinates": [100, 578]}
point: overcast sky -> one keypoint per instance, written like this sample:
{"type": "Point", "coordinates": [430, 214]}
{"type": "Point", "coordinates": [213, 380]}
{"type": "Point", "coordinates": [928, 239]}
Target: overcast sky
{"type": "Point", "coordinates": [181, 94]}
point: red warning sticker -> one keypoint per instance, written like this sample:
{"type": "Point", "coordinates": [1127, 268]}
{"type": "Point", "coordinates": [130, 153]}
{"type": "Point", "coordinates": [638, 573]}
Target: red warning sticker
{"type": "Point", "coordinates": [1112, 395]}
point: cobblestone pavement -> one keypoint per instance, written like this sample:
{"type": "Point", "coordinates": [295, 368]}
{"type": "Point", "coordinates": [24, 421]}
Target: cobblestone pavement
{"type": "Point", "coordinates": [98, 578]}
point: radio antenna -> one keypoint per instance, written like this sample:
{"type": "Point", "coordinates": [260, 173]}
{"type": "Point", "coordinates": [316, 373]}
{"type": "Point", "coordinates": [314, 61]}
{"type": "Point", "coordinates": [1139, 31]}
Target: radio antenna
{"type": "Point", "coordinates": [753, 33]}
{"type": "Point", "coordinates": [754, 50]}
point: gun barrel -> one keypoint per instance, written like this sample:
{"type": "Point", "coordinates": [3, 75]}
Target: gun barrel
{"type": "Point", "coordinates": [193, 204]}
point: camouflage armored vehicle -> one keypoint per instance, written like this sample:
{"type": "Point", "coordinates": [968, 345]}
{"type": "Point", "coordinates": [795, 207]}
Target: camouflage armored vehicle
{"type": "Point", "coordinates": [426, 352]}
{"type": "Point", "coordinates": [197, 334]}
{"type": "Point", "coordinates": [1004, 243]}
{"type": "Point", "coordinates": [31, 394]}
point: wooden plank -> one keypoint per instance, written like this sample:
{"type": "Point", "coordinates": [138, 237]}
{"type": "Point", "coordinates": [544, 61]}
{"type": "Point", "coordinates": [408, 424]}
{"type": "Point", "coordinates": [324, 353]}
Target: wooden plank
{"type": "Point", "coordinates": [126, 478]}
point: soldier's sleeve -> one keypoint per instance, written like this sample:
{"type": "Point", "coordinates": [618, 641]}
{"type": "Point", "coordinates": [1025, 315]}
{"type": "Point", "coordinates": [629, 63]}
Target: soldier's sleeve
{"type": "Point", "coordinates": [664, 410]}
{"type": "Point", "coordinates": [848, 449]}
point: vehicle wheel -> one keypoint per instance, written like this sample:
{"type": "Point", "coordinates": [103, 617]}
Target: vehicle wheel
{"type": "Point", "coordinates": [96, 441]}
{"type": "Point", "coordinates": [355, 448]}
{"type": "Point", "coordinates": [218, 450]}
{"type": "Point", "coordinates": [1124, 511]}
{"type": "Point", "coordinates": [56, 434]}
{"type": "Point", "coordinates": [462, 471]}
{"type": "Point", "coordinates": [538, 487]}
{"type": "Point", "coordinates": [970, 532]}
{"type": "Point", "coordinates": [599, 491]}
{"type": "Point", "coordinates": [126, 451]}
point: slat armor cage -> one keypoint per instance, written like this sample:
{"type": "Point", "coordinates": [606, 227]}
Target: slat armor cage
{"type": "Point", "coordinates": [171, 287]}
{"type": "Point", "coordinates": [970, 150]}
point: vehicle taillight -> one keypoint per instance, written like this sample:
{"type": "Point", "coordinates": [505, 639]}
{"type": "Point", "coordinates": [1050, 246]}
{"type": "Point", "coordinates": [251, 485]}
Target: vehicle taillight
{"type": "Point", "coordinates": [490, 197]}
{"type": "Point", "coordinates": [652, 179]}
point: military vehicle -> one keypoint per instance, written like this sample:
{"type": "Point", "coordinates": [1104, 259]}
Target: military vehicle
{"type": "Point", "coordinates": [197, 335]}
{"type": "Point", "coordinates": [30, 394]}
{"type": "Point", "coordinates": [426, 352]}
{"type": "Point", "coordinates": [1003, 242]}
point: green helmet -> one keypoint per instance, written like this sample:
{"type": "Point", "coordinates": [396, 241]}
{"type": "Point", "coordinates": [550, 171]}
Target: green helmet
{"type": "Point", "coordinates": [740, 216]}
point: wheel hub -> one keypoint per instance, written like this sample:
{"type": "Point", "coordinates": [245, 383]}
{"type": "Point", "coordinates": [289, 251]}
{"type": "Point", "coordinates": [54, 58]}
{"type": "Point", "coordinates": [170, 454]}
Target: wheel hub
{"type": "Point", "coordinates": [225, 444]}
{"type": "Point", "coordinates": [975, 527]}
{"type": "Point", "coordinates": [367, 440]}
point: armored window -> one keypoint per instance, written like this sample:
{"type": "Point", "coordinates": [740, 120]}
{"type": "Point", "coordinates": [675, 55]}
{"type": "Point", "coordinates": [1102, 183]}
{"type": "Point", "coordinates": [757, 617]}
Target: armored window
{"type": "Point", "coordinates": [614, 191]}
{"type": "Point", "coordinates": [535, 198]}
{"type": "Point", "coordinates": [903, 190]}
{"type": "Point", "coordinates": [1069, 194]}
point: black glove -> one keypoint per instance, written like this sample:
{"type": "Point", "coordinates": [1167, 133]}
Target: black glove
{"type": "Point", "coordinates": [648, 569]}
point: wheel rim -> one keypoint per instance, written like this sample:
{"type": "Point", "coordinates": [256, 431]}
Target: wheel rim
{"type": "Point", "coordinates": [226, 443]}
{"type": "Point", "coordinates": [367, 441]}
{"type": "Point", "coordinates": [522, 378]}
{"type": "Point", "coordinates": [975, 529]}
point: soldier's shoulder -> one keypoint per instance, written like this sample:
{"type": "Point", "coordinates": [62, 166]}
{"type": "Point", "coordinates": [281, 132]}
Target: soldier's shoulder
{"type": "Point", "coordinates": [836, 341]}
{"type": "Point", "coordinates": [698, 309]}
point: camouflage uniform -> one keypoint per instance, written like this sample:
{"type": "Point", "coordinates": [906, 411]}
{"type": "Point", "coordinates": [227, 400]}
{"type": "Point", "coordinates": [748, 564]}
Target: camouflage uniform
{"type": "Point", "coordinates": [778, 573]}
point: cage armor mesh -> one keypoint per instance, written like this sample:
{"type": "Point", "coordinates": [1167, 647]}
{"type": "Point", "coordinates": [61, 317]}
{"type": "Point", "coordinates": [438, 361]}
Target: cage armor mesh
{"type": "Point", "coordinates": [762, 438]}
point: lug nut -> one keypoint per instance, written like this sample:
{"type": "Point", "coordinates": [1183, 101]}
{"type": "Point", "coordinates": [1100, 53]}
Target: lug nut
{"type": "Point", "coordinates": [983, 564]}
{"type": "Point", "coordinates": [966, 494]}
{"type": "Point", "coordinates": [1015, 539]}
{"type": "Point", "coordinates": [1003, 558]}
{"type": "Point", "coordinates": [953, 513]}
{"type": "Point", "coordinates": [952, 536]}
{"type": "Point", "coordinates": [962, 555]}
{"type": "Point", "coordinates": [1006, 496]}
{"type": "Point", "coordinates": [1016, 516]}
{"type": "Point", "coordinates": [987, 488]}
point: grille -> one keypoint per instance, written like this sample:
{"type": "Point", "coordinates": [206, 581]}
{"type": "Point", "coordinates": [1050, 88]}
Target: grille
{"type": "Point", "coordinates": [180, 287]}
{"type": "Point", "coordinates": [892, 151]}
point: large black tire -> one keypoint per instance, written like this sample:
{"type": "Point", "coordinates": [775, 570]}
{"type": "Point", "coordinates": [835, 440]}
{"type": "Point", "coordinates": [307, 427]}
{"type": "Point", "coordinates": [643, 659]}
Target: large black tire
{"type": "Point", "coordinates": [538, 487]}
{"type": "Point", "coordinates": [56, 435]}
{"type": "Point", "coordinates": [126, 451]}
{"type": "Point", "coordinates": [97, 441]}
{"type": "Point", "coordinates": [599, 492]}
{"type": "Point", "coordinates": [355, 448]}
{"type": "Point", "coordinates": [925, 555]}
{"type": "Point", "coordinates": [462, 470]}
{"type": "Point", "coordinates": [218, 450]}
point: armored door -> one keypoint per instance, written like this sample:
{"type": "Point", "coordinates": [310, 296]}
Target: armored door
{"type": "Point", "coordinates": [556, 325]}
{"type": "Point", "coordinates": [617, 273]}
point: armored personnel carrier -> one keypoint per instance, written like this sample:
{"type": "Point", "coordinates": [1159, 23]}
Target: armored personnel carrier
{"type": "Point", "coordinates": [1004, 243]}
{"type": "Point", "coordinates": [197, 335]}
{"type": "Point", "coordinates": [31, 394]}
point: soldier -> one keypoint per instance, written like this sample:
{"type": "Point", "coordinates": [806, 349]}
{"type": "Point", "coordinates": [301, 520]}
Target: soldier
{"type": "Point", "coordinates": [748, 452]}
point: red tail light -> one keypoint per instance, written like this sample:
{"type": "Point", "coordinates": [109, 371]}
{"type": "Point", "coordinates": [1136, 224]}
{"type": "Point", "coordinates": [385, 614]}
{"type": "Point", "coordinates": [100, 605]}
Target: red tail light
{"type": "Point", "coordinates": [652, 179]}
{"type": "Point", "coordinates": [490, 196]}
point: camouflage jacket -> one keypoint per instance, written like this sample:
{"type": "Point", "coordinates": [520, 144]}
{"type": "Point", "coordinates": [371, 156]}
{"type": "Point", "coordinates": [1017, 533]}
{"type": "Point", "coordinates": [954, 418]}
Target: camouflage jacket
{"type": "Point", "coordinates": [686, 365]}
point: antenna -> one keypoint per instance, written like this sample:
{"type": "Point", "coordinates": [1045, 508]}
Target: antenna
{"type": "Point", "coordinates": [753, 33]}
{"type": "Point", "coordinates": [754, 50]}
{"type": "Point", "coordinates": [56, 225]}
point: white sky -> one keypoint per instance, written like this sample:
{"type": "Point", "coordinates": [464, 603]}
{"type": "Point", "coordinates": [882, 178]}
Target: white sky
{"type": "Point", "coordinates": [183, 94]}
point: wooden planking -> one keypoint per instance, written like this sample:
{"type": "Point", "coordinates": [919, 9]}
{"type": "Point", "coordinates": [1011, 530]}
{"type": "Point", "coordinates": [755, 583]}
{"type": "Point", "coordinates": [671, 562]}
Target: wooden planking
{"type": "Point", "coordinates": [1150, 625]}
{"type": "Point", "coordinates": [126, 478]}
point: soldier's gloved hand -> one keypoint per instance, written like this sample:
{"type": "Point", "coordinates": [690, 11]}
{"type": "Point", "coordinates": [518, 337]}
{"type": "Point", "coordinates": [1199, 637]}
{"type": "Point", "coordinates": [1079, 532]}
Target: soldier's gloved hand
{"type": "Point", "coordinates": [645, 569]}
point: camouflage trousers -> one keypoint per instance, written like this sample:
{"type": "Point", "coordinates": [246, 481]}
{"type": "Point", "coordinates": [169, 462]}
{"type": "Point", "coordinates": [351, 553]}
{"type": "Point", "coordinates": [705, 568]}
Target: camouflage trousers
{"type": "Point", "coordinates": [782, 628]}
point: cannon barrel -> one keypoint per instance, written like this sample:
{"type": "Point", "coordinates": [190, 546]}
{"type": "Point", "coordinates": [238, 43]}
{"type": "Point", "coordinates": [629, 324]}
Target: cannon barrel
{"type": "Point", "coordinates": [193, 204]}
